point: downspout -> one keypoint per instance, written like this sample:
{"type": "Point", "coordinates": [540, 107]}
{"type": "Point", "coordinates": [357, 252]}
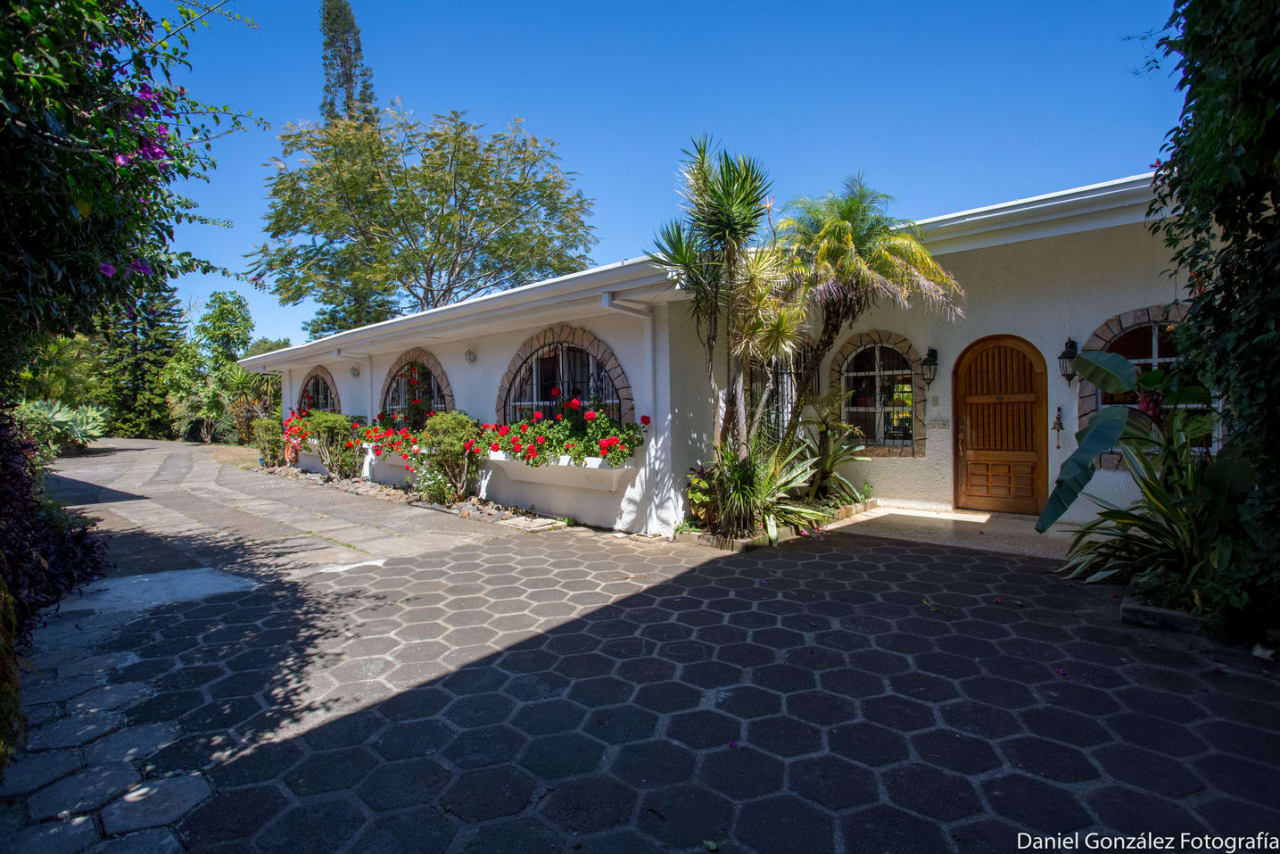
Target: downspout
{"type": "Point", "coordinates": [645, 313]}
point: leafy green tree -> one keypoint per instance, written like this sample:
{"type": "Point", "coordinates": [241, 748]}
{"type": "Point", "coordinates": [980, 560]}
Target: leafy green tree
{"type": "Point", "coordinates": [65, 369]}
{"type": "Point", "coordinates": [401, 214]}
{"type": "Point", "coordinates": [852, 254]}
{"type": "Point", "coordinates": [93, 137]}
{"type": "Point", "coordinates": [348, 82]}
{"type": "Point", "coordinates": [225, 328]}
{"type": "Point", "coordinates": [265, 345]}
{"type": "Point", "coordinates": [202, 381]}
{"type": "Point", "coordinates": [137, 340]}
{"type": "Point", "coordinates": [1218, 207]}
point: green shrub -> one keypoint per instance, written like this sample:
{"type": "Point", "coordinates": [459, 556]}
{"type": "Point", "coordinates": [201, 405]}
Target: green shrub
{"type": "Point", "coordinates": [449, 440]}
{"type": "Point", "coordinates": [741, 496]}
{"type": "Point", "coordinates": [268, 438]}
{"type": "Point", "coordinates": [10, 712]}
{"type": "Point", "coordinates": [56, 428]}
{"type": "Point", "coordinates": [335, 437]}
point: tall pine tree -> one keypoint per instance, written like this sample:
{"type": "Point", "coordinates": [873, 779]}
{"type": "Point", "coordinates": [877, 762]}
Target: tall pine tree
{"type": "Point", "coordinates": [348, 82]}
{"type": "Point", "coordinates": [138, 338]}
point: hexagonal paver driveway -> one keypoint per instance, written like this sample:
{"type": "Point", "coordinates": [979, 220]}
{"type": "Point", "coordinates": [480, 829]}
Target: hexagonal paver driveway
{"type": "Point", "coordinates": [580, 692]}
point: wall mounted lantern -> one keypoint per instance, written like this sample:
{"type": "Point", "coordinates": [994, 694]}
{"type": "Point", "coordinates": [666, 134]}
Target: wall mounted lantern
{"type": "Point", "coordinates": [355, 371]}
{"type": "Point", "coordinates": [1067, 360]}
{"type": "Point", "coordinates": [930, 366]}
{"type": "Point", "coordinates": [469, 355]}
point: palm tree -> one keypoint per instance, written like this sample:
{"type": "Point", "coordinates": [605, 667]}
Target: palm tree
{"type": "Point", "coordinates": [852, 254]}
{"type": "Point", "coordinates": [737, 284]}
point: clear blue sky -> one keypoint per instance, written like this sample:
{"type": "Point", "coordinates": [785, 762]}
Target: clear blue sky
{"type": "Point", "coordinates": [943, 105]}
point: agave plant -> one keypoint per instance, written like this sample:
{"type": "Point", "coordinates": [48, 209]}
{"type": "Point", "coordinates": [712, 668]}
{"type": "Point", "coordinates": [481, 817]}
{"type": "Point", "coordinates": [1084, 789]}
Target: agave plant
{"type": "Point", "coordinates": [831, 443]}
{"type": "Point", "coordinates": [743, 494]}
{"type": "Point", "coordinates": [73, 427]}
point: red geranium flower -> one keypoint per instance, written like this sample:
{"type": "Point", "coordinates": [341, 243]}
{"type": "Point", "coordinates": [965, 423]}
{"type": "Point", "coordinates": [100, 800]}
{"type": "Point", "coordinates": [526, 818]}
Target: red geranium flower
{"type": "Point", "coordinates": [590, 415]}
{"type": "Point", "coordinates": [524, 428]}
{"type": "Point", "coordinates": [351, 444]}
{"type": "Point", "coordinates": [541, 439]}
{"type": "Point", "coordinates": [559, 415]}
{"type": "Point", "coordinates": [555, 392]}
{"type": "Point", "coordinates": [516, 446]}
{"type": "Point", "coordinates": [574, 404]}
{"type": "Point", "coordinates": [537, 416]}
{"type": "Point", "coordinates": [504, 430]}
{"type": "Point", "coordinates": [377, 452]}
{"type": "Point", "coordinates": [645, 420]}
{"type": "Point", "coordinates": [404, 456]}
{"type": "Point", "coordinates": [494, 446]}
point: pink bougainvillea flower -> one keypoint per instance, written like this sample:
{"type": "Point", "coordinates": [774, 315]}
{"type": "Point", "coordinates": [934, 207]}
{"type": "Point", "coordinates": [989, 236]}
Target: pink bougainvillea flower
{"type": "Point", "coordinates": [997, 600]}
{"type": "Point", "coordinates": [107, 270]}
{"type": "Point", "coordinates": [645, 420]}
{"type": "Point", "coordinates": [590, 415]}
{"type": "Point", "coordinates": [120, 160]}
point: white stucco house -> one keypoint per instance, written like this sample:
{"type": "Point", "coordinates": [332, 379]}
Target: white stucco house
{"type": "Point", "coordinates": [1078, 264]}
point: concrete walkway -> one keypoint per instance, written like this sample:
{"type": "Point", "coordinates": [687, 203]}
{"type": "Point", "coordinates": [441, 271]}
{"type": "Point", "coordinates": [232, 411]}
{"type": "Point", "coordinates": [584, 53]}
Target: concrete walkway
{"type": "Point", "coordinates": [171, 505]}
{"type": "Point", "coordinates": [575, 691]}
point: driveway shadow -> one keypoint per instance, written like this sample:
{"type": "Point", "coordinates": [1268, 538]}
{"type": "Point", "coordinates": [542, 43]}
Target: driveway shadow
{"type": "Point", "coordinates": [576, 692]}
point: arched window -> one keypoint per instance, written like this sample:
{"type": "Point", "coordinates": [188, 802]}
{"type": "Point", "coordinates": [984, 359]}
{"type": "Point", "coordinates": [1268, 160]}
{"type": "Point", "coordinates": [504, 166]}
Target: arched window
{"type": "Point", "coordinates": [1146, 338]}
{"type": "Point", "coordinates": [412, 392]}
{"type": "Point", "coordinates": [878, 385]}
{"type": "Point", "coordinates": [1149, 346]}
{"type": "Point", "coordinates": [557, 372]}
{"type": "Point", "coordinates": [318, 392]}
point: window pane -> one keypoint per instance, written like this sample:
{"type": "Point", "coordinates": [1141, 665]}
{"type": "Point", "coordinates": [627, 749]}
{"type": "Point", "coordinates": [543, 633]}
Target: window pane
{"type": "Point", "coordinates": [864, 361]}
{"type": "Point", "coordinates": [1134, 345]}
{"type": "Point", "coordinates": [569, 372]}
{"type": "Point", "coordinates": [892, 360]}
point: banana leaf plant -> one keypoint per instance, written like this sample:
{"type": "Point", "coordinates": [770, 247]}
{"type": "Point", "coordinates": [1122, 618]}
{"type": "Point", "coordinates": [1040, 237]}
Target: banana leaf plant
{"type": "Point", "coordinates": [1113, 374]}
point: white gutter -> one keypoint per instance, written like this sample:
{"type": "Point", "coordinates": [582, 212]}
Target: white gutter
{"type": "Point", "coordinates": [625, 275]}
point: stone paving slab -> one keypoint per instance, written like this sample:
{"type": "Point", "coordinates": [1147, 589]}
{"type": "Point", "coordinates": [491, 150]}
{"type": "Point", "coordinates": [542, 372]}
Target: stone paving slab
{"type": "Point", "coordinates": [570, 691]}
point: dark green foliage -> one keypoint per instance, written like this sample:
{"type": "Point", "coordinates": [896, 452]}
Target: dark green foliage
{"type": "Point", "coordinates": [1221, 183]}
{"type": "Point", "coordinates": [370, 219]}
{"type": "Point", "coordinates": [93, 136]}
{"type": "Point", "coordinates": [138, 339]}
{"type": "Point", "coordinates": [269, 441]}
{"type": "Point", "coordinates": [45, 551]}
{"type": "Point", "coordinates": [225, 327]}
{"type": "Point", "coordinates": [11, 723]}
{"type": "Point", "coordinates": [349, 306]}
{"type": "Point", "coordinates": [265, 345]}
{"type": "Point", "coordinates": [450, 437]}
{"type": "Point", "coordinates": [348, 82]}
{"type": "Point", "coordinates": [336, 442]}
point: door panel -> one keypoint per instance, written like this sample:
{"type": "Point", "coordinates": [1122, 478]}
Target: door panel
{"type": "Point", "coordinates": [1001, 433]}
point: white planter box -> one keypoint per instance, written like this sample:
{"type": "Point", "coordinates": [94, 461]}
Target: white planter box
{"type": "Point", "coordinates": [594, 473]}
{"type": "Point", "coordinates": [309, 461]}
{"type": "Point", "coordinates": [389, 468]}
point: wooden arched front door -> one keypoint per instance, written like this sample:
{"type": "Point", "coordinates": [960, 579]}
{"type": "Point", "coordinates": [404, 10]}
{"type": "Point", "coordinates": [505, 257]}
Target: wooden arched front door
{"type": "Point", "coordinates": [1001, 435]}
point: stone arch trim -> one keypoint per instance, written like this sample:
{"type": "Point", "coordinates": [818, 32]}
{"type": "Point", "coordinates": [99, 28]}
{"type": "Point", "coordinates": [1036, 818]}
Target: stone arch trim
{"type": "Point", "coordinates": [918, 390]}
{"type": "Point", "coordinates": [576, 337]}
{"type": "Point", "coordinates": [323, 373]}
{"type": "Point", "coordinates": [428, 361]}
{"type": "Point", "coordinates": [1087, 399]}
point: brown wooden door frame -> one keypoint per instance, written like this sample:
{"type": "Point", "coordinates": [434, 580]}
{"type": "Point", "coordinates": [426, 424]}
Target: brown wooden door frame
{"type": "Point", "coordinates": [1039, 417]}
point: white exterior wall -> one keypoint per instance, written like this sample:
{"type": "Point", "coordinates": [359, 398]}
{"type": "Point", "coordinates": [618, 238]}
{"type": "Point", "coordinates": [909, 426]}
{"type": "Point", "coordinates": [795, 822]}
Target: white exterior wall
{"type": "Point", "coordinates": [1045, 291]}
{"type": "Point", "coordinates": [644, 503]}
